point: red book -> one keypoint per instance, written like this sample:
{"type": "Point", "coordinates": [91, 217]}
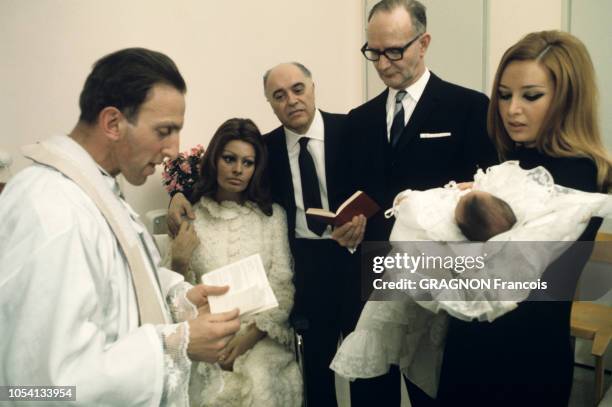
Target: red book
{"type": "Point", "coordinates": [358, 204]}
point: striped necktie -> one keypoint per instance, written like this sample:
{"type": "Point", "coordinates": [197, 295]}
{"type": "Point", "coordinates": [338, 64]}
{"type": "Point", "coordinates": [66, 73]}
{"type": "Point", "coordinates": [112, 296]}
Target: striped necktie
{"type": "Point", "coordinates": [398, 118]}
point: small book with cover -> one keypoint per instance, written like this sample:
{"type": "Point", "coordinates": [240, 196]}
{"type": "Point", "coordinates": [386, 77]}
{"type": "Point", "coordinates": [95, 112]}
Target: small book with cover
{"type": "Point", "coordinates": [358, 204]}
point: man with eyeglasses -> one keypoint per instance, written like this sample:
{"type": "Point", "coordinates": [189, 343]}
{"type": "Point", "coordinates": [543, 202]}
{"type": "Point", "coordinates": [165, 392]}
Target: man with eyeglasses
{"type": "Point", "coordinates": [418, 134]}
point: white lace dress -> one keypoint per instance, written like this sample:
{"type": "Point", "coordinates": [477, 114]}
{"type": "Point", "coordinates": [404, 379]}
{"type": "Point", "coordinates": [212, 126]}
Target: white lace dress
{"type": "Point", "coordinates": [267, 374]}
{"type": "Point", "coordinates": [411, 333]}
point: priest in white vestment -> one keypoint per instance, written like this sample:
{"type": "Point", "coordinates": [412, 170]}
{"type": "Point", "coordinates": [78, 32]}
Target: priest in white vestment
{"type": "Point", "coordinates": [83, 301]}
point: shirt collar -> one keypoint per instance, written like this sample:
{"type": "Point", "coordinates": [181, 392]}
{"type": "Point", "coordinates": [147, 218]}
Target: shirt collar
{"type": "Point", "coordinates": [111, 182]}
{"type": "Point", "coordinates": [415, 90]}
{"type": "Point", "coordinates": [315, 131]}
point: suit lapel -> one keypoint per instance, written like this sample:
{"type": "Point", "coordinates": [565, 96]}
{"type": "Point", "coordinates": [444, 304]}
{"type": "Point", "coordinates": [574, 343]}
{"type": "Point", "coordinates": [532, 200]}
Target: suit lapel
{"type": "Point", "coordinates": [332, 157]}
{"type": "Point", "coordinates": [281, 170]}
{"type": "Point", "coordinates": [422, 111]}
{"type": "Point", "coordinates": [376, 131]}
{"type": "Point", "coordinates": [379, 114]}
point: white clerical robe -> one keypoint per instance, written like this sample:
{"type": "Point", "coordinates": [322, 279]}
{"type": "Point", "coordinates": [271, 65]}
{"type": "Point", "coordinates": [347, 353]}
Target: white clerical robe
{"type": "Point", "coordinates": [68, 310]}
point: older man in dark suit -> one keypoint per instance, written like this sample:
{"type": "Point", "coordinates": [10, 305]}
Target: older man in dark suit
{"type": "Point", "coordinates": [326, 274]}
{"type": "Point", "coordinates": [305, 171]}
{"type": "Point", "coordinates": [419, 133]}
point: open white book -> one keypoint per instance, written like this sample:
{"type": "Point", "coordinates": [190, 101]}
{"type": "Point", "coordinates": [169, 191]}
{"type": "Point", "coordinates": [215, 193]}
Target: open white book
{"type": "Point", "coordinates": [249, 289]}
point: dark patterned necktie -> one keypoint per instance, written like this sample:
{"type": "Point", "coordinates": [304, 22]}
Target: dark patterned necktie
{"type": "Point", "coordinates": [398, 118]}
{"type": "Point", "coordinates": [310, 185]}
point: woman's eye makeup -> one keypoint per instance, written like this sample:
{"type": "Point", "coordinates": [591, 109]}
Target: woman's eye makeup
{"type": "Point", "coordinates": [533, 96]}
{"type": "Point", "coordinates": [230, 159]}
{"type": "Point", "coordinates": [504, 95]}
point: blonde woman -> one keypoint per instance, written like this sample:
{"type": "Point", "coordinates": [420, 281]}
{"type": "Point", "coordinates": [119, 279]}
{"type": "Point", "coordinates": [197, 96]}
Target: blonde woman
{"type": "Point", "coordinates": [543, 112]}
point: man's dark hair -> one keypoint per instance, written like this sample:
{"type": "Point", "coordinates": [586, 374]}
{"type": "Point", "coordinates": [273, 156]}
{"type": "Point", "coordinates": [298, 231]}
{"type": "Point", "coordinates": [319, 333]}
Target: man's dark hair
{"type": "Point", "coordinates": [123, 79]}
{"type": "Point", "coordinates": [413, 7]}
{"type": "Point", "coordinates": [258, 190]}
{"type": "Point", "coordinates": [484, 217]}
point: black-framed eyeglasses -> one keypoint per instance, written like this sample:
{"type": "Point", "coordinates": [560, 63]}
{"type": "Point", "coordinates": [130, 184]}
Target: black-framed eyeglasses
{"type": "Point", "coordinates": [392, 54]}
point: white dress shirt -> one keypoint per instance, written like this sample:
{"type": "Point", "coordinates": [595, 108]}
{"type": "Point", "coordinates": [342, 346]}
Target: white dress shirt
{"type": "Point", "coordinates": [413, 95]}
{"type": "Point", "coordinates": [316, 148]}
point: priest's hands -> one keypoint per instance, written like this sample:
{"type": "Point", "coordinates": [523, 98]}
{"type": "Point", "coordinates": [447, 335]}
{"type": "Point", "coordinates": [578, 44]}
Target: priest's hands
{"type": "Point", "coordinates": [351, 233]}
{"type": "Point", "coordinates": [183, 246]}
{"type": "Point", "coordinates": [198, 295]}
{"type": "Point", "coordinates": [209, 333]}
{"type": "Point", "coordinates": [179, 208]}
{"type": "Point", "coordinates": [238, 345]}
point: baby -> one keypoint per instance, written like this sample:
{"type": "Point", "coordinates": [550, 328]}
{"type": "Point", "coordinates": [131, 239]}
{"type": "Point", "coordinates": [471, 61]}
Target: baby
{"type": "Point", "coordinates": [450, 214]}
{"type": "Point", "coordinates": [481, 215]}
{"type": "Point", "coordinates": [505, 204]}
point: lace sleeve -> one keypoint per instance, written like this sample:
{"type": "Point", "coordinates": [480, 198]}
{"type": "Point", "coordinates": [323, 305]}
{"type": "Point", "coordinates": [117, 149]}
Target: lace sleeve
{"type": "Point", "coordinates": [275, 322]}
{"type": "Point", "coordinates": [177, 366]}
{"type": "Point", "coordinates": [180, 307]}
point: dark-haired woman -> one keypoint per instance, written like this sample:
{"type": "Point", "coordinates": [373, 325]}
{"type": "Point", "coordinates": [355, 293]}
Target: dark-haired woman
{"type": "Point", "coordinates": [234, 219]}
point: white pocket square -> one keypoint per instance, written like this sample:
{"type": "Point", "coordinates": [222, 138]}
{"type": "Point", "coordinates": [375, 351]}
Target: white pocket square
{"type": "Point", "coordinates": [435, 135]}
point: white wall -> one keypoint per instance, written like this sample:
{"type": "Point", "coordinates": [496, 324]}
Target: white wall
{"type": "Point", "coordinates": [590, 22]}
{"type": "Point", "coordinates": [470, 36]}
{"type": "Point", "coordinates": [510, 20]}
{"type": "Point", "coordinates": [221, 47]}
{"type": "Point", "coordinates": [457, 50]}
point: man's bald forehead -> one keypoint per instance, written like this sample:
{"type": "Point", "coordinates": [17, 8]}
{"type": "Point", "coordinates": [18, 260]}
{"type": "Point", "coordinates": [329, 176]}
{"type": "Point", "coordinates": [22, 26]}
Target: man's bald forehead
{"type": "Point", "coordinates": [284, 69]}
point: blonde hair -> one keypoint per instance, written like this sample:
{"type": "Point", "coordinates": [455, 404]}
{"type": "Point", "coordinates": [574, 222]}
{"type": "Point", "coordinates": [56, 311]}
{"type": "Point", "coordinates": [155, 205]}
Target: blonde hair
{"type": "Point", "coordinates": [571, 125]}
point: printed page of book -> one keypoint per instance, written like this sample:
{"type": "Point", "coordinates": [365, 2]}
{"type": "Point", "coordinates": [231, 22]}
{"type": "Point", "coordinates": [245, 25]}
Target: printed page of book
{"type": "Point", "coordinates": [249, 288]}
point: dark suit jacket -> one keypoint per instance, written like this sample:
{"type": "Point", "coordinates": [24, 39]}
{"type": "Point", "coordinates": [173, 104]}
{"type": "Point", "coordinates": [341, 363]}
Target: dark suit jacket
{"type": "Point", "coordinates": [417, 163]}
{"type": "Point", "coordinates": [323, 269]}
{"type": "Point", "coordinates": [280, 171]}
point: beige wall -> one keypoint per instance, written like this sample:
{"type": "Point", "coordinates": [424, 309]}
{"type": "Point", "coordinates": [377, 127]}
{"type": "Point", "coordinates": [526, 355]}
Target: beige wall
{"type": "Point", "coordinates": [221, 47]}
{"type": "Point", "coordinates": [457, 50]}
{"type": "Point", "coordinates": [509, 20]}
{"type": "Point", "coordinates": [470, 36]}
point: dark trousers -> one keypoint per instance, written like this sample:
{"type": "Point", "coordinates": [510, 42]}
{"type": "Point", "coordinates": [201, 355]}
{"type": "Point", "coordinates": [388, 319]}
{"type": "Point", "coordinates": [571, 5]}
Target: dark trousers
{"type": "Point", "coordinates": [326, 305]}
{"type": "Point", "coordinates": [523, 358]}
{"type": "Point", "coordinates": [378, 391]}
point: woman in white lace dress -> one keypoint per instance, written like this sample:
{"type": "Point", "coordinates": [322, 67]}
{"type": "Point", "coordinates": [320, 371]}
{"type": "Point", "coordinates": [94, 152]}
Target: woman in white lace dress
{"type": "Point", "coordinates": [234, 218]}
